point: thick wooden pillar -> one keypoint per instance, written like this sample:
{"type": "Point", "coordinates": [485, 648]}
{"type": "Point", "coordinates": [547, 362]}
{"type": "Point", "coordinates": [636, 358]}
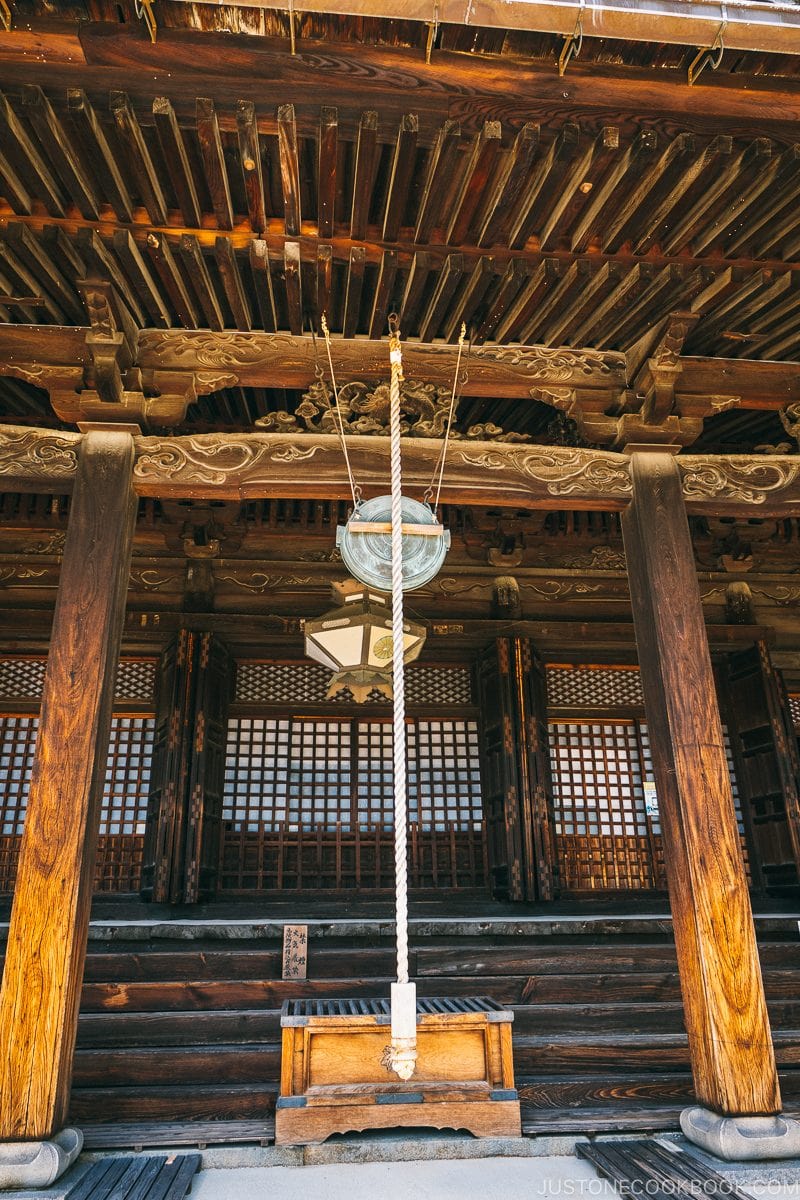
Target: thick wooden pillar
{"type": "Point", "coordinates": [50, 917]}
{"type": "Point", "coordinates": [733, 1063]}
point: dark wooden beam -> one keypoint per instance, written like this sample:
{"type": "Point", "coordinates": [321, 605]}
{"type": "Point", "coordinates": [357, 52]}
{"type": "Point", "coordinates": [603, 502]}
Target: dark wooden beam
{"type": "Point", "coordinates": [243, 67]}
{"type": "Point", "coordinates": [232, 285]}
{"type": "Point", "coordinates": [440, 166]}
{"type": "Point", "coordinates": [324, 277]}
{"type": "Point", "coordinates": [405, 152]}
{"type": "Point", "coordinates": [353, 289]}
{"type": "Point", "coordinates": [509, 186]}
{"type": "Point", "coordinates": [62, 154]}
{"type": "Point", "coordinates": [213, 157]}
{"type": "Point", "coordinates": [383, 294]}
{"type": "Point", "coordinates": [18, 144]}
{"type": "Point", "coordinates": [442, 295]}
{"type": "Point", "coordinates": [294, 286]}
{"type": "Point", "coordinates": [163, 260]}
{"type": "Point", "coordinates": [326, 170]}
{"type": "Point", "coordinates": [102, 264]}
{"type": "Point", "coordinates": [262, 282]}
{"type": "Point", "coordinates": [290, 168]}
{"type": "Point", "coordinates": [173, 149]}
{"type": "Point", "coordinates": [138, 158]}
{"type": "Point", "coordinates": [364, 173]}
{"type": "Point", "coordinates": [91, 138]}
{"type": "Point", "coordinates": [250, 158]}
{"type": "Point", "coordinates": [197, 272]}
{"type": "Point", "coordinates": [50, 915]}
{"type": "Point", "coordinates": [141, 278]}
{"type": "Point", "coordinates": [471, 192]}
{"type": "Point", "coordinates": [733, 1063]}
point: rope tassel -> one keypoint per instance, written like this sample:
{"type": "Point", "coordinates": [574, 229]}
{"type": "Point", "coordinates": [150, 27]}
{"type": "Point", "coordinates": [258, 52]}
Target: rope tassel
{"type": "Point", "coordinates": [402, 1054]}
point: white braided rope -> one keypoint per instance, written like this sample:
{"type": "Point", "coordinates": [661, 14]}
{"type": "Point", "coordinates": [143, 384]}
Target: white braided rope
{"type": "Point", "coordinates": [398, 674]}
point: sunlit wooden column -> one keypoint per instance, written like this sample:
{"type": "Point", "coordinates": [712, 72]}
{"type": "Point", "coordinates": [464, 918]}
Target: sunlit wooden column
{"type": "Point", "coordinates": [733, 1064]}
{"type": "Point", "coordinates": [50, 916]}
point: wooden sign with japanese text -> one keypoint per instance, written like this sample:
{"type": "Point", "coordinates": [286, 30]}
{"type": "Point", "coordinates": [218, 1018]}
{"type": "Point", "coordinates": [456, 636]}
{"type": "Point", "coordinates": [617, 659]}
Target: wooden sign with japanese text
{"type": "Point", "coordinates": [295, 951]}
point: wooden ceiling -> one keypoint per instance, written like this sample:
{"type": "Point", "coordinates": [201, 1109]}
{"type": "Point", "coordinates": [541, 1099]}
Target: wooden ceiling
{"type": "Point", "coordinates": [218, 182]}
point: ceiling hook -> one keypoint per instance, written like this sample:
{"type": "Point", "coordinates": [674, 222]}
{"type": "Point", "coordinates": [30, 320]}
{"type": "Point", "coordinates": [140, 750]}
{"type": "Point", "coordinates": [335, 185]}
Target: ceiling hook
{"type": "Point", "coordinates": [573, 43]}
{"type": "Point", "coordinates": [433, 30]}
{"type": "Point", "coordinates": [710, 57]}
{"type": "Point", "coordinates": [292, 41]}
{"type": "Point", "coordinates": [144, 11]}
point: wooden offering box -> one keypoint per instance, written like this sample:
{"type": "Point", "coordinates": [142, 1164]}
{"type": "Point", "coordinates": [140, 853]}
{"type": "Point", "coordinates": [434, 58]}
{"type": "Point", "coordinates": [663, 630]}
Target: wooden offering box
{"type": "Point", "coordinates": [333, 1079]}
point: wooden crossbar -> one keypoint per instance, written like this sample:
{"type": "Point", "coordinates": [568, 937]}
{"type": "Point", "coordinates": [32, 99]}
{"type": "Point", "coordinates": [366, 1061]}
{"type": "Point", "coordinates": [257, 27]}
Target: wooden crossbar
{"type": "Point", "coordinates": [386, 527]}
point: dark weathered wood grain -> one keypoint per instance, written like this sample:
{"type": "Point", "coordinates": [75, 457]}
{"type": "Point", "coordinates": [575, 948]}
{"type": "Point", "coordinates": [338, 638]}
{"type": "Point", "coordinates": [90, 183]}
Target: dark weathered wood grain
{"type": "Point", "coordinates": [213, 157]}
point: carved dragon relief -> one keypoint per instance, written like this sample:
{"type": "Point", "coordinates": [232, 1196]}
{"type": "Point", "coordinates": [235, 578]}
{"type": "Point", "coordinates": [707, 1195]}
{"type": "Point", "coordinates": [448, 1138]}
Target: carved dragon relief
{"type": "Point", "coordinates": [564, 471]}
{"type": "Point", "coordinates": [38, 454]}
{"type": "Point", "coordinates": [234, 349]}
{"type": "Point", "coordinates": [365, 412]}
{"type": "Point", "coordinates": [216, 458]}
{"type": "Point", "coordinates": [733, 477]}
{"type": "Point", "coordinates": [553, 363]}
{"type": "Point", "coordinates": [790, 420]}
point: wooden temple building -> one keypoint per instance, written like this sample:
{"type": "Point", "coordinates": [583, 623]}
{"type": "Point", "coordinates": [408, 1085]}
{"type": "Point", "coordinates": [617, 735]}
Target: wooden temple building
{"type": "Point", "coordinates": [602, 725]}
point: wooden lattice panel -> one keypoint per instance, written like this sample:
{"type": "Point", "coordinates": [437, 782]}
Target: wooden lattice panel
{"type": "Point", "coordinates": [296, 684]}
{"type": "Point", "coordinates": [17, 744]}
{"type": "Point", "coordinates": [124, 811]}
{"type": "Point", "coordinates": [585, 688]}
{"type": "Point", "coordinates": [22, 678]}
{"type": "Point", "coordinates": [136, 680]}
{"type": "Point", "coordinates": [444, 774]}
{"type": "Point", "coordinates": [597, 779]}
{"type": "Point", "coordinates": [309, 804]}
{"type": "Point", "coordinates": [605, 837]}
{"type": "Point", "coordinates": [124, 807]}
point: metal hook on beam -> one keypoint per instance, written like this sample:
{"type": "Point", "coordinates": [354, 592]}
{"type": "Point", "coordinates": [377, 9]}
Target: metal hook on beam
{"type": "Point", "coordinates": [292, 41]}
{"type": "Point", "coordinates": [144, 11]}
{"type": "Point", "coordinates": [710, 57]}
{"type": "Point", "coordinates": [573, 43]}
{"type": "Point", "coordinates": [433, 30]}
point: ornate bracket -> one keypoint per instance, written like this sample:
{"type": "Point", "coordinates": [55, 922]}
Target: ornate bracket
{"type": "Point", "coordinates": [109, 385]}
{"type": "Point", "coordinates": [656, 379]}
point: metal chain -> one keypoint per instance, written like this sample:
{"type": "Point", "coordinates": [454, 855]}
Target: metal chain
{"type": "Point", "coordinates": [354, 489]}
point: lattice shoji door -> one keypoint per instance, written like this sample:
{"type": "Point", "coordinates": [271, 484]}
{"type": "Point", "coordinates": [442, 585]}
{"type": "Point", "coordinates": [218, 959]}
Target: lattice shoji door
{"type": "Point", "coordinates": [600, 817]}
{"type": "Point", "coordinates": [124, 808]}
{"type": "Point", "coordinates": [309, 804]}
{"type": "Point", "coordinates": [17, 744]}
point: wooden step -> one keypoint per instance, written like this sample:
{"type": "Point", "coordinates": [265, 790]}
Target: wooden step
{"type": "Point", "coordinates": [568, 1091]}
{"type": "Point", "coordinates": [609, 1119]}
{"type": "Point", "coordinates": [117, 1029]}
{"type": "Point", "coordinates": [223, 1102]}
{"type": "Point", "coordinates": [137, 1135]}
{"type": "Point", "coordinates": [150, 1066]}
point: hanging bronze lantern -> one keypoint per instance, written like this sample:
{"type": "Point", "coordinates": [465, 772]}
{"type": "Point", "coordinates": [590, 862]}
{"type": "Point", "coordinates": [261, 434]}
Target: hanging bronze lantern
{"type": "Point", "coordinates": [355, 641]}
